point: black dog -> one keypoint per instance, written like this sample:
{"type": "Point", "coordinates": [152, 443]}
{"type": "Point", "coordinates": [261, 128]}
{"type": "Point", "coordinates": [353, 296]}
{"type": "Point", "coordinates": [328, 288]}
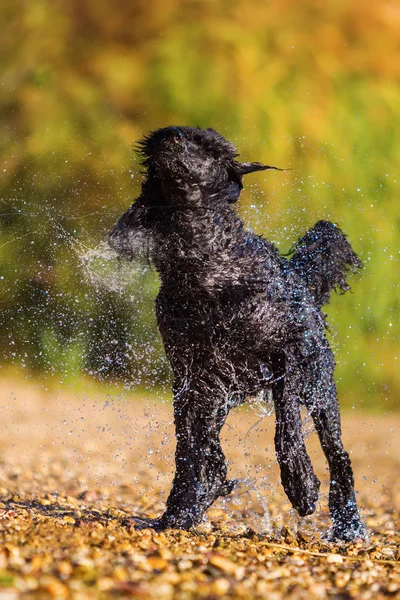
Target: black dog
{"type": "Point", "coordinates": [237, 318]}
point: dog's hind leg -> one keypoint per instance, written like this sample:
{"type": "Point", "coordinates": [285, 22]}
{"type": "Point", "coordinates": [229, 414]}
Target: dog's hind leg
{"type": "Point", "coordinates": [321, 400]}
{"type": "Point", "coordinates": [200, 410]}
{"type": "Point", "coordinates": [297, 474]}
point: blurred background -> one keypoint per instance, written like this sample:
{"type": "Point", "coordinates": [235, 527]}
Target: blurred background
{"type": "Point", "coordinates": [307, 85]}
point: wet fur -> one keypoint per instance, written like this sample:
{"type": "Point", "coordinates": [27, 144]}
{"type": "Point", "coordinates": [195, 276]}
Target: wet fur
{"type": "Point", "coordinates": [237, 319]}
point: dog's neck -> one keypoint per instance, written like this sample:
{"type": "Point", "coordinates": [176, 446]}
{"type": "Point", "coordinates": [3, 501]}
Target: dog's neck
{"type": "Point", "coordinates": [200, 241]}
{"type": "Point", "coordinates": [191, 214]}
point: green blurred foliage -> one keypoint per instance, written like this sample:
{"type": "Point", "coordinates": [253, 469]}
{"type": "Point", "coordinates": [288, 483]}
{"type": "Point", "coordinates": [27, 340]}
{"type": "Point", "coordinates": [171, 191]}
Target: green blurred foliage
{"type": "Point", "coordinates": [304, 84]}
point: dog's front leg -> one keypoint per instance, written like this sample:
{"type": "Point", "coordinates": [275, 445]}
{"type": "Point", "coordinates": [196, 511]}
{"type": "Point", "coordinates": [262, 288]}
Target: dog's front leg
{"type": "Point", "coordinates": [200, 475]}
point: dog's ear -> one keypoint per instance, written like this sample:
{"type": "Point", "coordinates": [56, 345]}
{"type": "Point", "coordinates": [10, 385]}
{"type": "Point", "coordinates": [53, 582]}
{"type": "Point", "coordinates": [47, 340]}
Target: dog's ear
{"type": "Point", "coordinates": [235, 175]}
{"type": "Point", "coordinates": [251, 167]}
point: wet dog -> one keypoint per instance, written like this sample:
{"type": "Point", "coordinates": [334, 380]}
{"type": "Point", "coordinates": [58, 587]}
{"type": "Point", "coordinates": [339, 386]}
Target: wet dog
{"type": "Point", "coordinates": [237, 319]}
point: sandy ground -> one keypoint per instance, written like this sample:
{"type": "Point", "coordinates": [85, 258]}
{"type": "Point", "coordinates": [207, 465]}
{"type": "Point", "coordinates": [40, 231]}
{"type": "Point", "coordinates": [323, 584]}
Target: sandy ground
{"type": "Point", "coordinates": [75, 468]}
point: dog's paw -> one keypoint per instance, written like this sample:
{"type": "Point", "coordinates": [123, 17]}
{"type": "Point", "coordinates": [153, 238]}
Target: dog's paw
{"type": "Point", "coordinates": [304, 496]}
{"type": "Point", "coordinates": [306, 509]}
{"type": "Point", "coordinates": [347, 532]}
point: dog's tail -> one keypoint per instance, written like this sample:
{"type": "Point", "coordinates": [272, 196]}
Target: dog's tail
{"type": "Point", "coordinates": [323, 258]}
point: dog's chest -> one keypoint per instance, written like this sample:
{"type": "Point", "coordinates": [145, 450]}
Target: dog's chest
{"type": "Point", "coordinates": [208, 292]}
{"type": "Point", "coordinates": [190, 315]}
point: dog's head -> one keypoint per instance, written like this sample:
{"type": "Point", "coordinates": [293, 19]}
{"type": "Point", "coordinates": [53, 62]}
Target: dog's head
{"type": "Point", "coordinates": [187, 168]}
{"type": "Point", "coordinates": [185, 158]}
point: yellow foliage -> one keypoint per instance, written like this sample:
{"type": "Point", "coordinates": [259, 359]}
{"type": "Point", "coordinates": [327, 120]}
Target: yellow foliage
{"type": "Point", "coordinates": [305, 84]}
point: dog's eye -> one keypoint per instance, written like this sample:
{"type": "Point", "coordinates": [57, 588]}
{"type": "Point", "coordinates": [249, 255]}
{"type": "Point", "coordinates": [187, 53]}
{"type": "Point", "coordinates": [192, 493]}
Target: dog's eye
{"type": "Point", "coordinates": [176, 136]}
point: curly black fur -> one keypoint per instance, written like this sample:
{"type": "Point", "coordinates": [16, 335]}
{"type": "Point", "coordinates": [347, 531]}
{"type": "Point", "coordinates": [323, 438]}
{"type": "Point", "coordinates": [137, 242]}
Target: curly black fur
{"type": "Point", "coordinates": [237, 319]}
